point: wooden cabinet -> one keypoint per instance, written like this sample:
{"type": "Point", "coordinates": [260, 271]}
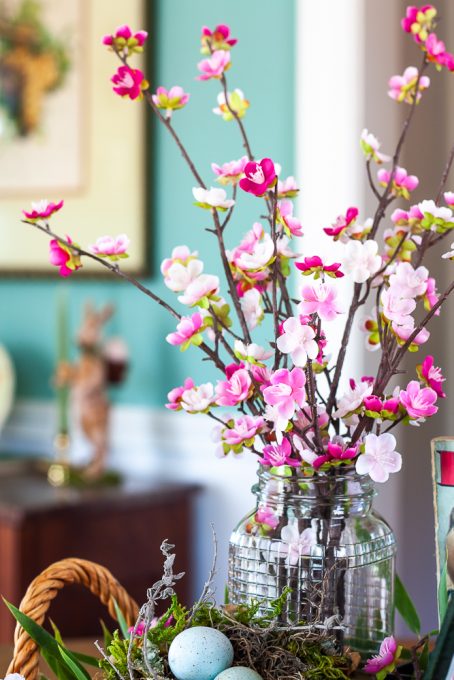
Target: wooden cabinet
{"type": "Point", "coordinates": [121, 528]}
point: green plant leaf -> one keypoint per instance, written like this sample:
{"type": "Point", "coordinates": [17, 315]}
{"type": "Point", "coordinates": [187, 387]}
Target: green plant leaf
{"type": "Point", "coordinates": [56, 665]}
{"type": "Point", "coordinates": [57, 634]}
{"type": "Point", "coordinates": [405, 606]}
{"type": "Point", "coordinates": [442, 595]}
{"type": "Point", "coordinates": [46, 642]}
{"type": "Point", "coordinates": [108, 637]}
{"type": "Point", "coordinates": [86, 659]}
{"type": "Point", "coordinates": [79, 672]}
{"type": "Point", "coordinates": [121, 620]}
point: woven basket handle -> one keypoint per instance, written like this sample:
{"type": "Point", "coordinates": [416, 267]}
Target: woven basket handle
{"type": "Point", "coordinates": [45, 587]}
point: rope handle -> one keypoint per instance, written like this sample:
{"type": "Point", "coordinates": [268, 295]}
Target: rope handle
{"type": "Point", "coordinates": [45, 587]}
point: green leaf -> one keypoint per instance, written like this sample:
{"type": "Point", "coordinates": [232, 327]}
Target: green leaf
{"type": "Point", "coordinates": [121, 620]}
{"type": "Point", "coordinates": [57, 634]}
{"type": "Point", "coordinates": [106, 634]}
{"type": "Point", "coordinates": [405, 606]}
{"type": "Point", "coordinates": [86, 659]}
{"type": "Point", "coordinates": [79, 672]}
{"type": "Point", "coordinates": [442, 595]}
{"type": "Point", "coordinates": [424, 657]}
{"type": "Point", "coordinates": [49, 647]}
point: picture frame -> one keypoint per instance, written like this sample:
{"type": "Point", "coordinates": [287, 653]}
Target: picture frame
{"type": "Point", "coordinates": [101, 173]}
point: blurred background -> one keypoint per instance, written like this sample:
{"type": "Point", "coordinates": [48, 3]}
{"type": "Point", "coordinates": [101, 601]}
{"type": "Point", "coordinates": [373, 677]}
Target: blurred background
{"type": "Point", "coordinates": [315, 74]}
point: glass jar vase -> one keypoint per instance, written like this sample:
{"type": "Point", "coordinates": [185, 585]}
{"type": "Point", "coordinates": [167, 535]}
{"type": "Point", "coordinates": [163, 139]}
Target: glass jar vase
{"type": "Point", "coordinates": [319, 537]}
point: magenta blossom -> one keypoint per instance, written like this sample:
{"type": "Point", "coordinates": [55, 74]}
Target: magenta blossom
{"type": "Point", "coordinates": [373, 403]}
{"type": "Point", "coordinates": [266, 516]}
{"type": "Point", "coordinates": [112, 247]}
{"type": "Point", "coordinates": [129, 82]}
{"type": "Point", "coordinates": [285, 217]}
{"type": "Point", "coordinates": [386, 658]}
{"type": "Point", "coordinates": [402, 182]}
{"type": "Point", "coordinates": [231, 172]}
{"type": "Point", "coordinates": [259, 177]}
{"type": "Point", "coordinates": [64, 257]}
{"type": "Point", "coordinates": [42, 210]}
{"type": "Point", "coordinates": [234, 390]}
{"type": "Point", "coordinates": [402, 88]}
{"type": "Point", "coordinates": [170, 100]}
{"type": "Point", "coordinates": [219, 39]}
{"type": "Point", "coordinates": [314, 265]}
{"type": "Point", "coordinates": [342, 224]}
{"type": "Point", "coordinates": [449, 198]}
{"type": "Point", "coordinates": [431, 375]}
{"type": "Point", "coordinates": [276, 455]}
{"type": "Point", "coordinates": [175, 395]}
{"type": "Point", "coordinates": [286, 392]}
{"type": "Point", "coordinates": [214, 66]}
{"type": "Point", "coordinates": [418, 402]}
{"type": "Point", "coordinates": [320, 298]}
{"type": "Point", "coordinates": [244, 430]}
{"type": "Point", "coordinates": [188, 332]}
{"type": "Point", "coordinates": [435, 51]}
{"type": "Point", "coordinates": [335, 451]}
{"type": "Point", "coordinates": [125, 41]}
{"type": "Point", "coordinates": [419, 21]}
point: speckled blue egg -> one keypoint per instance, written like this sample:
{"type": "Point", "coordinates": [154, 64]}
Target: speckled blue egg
{"type": "Point", "coordinates": [200, 653]}
{"type": "Point", "coordinates": [238, 673]}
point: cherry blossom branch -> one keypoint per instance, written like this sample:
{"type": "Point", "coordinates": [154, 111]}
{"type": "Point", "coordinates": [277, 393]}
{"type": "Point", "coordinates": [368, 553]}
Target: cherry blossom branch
{"type": "Point", "coordinates": [237, 118]}
{"type": "Point", "coordinates": [311, 393]}
{"type": "Point", "coordinates": [115, 269]}
{"type": "Point", "coordinates": [371, 181]}
{"type": "Point", "coordinates": [428, 241]}
{"type": "Point", "coordinates": [273, 217]}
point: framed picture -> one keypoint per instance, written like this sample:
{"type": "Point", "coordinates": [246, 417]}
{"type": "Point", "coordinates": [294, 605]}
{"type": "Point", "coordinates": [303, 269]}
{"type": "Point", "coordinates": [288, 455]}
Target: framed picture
{"type": "Point", "coordinates": [64, 134]}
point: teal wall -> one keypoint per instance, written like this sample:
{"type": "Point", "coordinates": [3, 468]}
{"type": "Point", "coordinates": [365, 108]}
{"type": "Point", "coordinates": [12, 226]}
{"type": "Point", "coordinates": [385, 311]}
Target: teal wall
{"type": "Point", "coordinates": [263, 67]}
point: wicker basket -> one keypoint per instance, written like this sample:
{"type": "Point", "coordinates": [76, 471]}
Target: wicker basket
{"type": "Point", "coordinates": [45, 587]}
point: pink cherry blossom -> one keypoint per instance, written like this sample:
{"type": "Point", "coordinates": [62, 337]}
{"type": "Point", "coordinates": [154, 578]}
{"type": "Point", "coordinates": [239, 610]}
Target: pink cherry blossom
{"type": "Point", "coordinates": [449, 198]}
{"type": "Point", "coordinates": [181, 268]}
{"type": "Point", "coordinates": [287, 188]}
{"type": "Point", "coordinates": [267, 516]}
{"type": "Point", "coordinates": [380, 457]}
{"type": "Point", "coordinates": [124, 41]}
{"type": "Point", "coordinates": [276, 455]}
{"type": "Point", "coordinates": [112, 247]}
{"type": "Point", "coordinates": [218, 39]}
{"type": "Point", "coordinates": [200, 290]}
{"type": "Point", "coordinates": [297, 339]}
{"type": "Point", "coordinates": [198, 399]}
{"type": "Point", "coordinates": [432, 375]}
{"type": "Point", "coordinates": [129, 82]}
{"type": "Point", "coordinates": [353, 398]}
{"type": "Point", "coordinates": [419, 402]}
{"type": "Point", "coordinates": [386, 659]}
{"type": "Point", "coordinates": [343, 224]}
{"type": "Point", "coordinates": [244, 429]}
{"type": "Point", "coordinates": [234, 390]}
{"type": "Point", "coordinates": [373, 403]}
{"type": "Point", "coordinates": [64, 257]}
{"type": "Point", "coordinates": [295, 544]}
{"type": "Point", "coordinates": [402, 88]}
{"type": "Point", "coordinates": [418, 21]}
{"type": "Point", "coordinates": [396, 308]}
{"type": "Point", "coordinates": [435, 50]}
{"type": "Point", "coordinates": [320, 298]}
{"type": "Point", "coordinates": [403, 332]}
{"type": "Point", "coordinates": [408, 282]}
{"type": "Point", "coordinates": [286, 392]}
{"type": "Point", "coordinates": [252, 353]}
{"type": "Point", "coordinates": [285, 217]}
{"type": "Point", "coordinates": [361, 260]}
{"type": "Point", "coordinates": [252, 306]}
{"type": "Point", "coordinates": [402, 183]}
{"type": "Point", "coordinates": [370, 146]}
{"type": "Point", "coordinates": [170, 100]}
{"type": "Point", "coordinates": [42, 210]}
{"type": "Point", "coordinates": [175, 395]}
{"type": "Point", "coordinates": [259, 177]}
{"type": "Point", "coordinates": [212, 198]}
{"type": "Point", "coordinates": [231, 172]}
{"type": "Point", "coordinates": [214, 66]}
{"type": "Point", "coordinates": [235, 106]}
{"type": "Point", "coordinates": [255, 255]}
{"type": "Point", "coordinates": [188, 331]}
{"type": "Point", "coordinates": [315, 265]}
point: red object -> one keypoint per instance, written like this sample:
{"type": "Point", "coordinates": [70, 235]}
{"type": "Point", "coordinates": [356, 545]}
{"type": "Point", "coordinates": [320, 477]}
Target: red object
{"type": "Point", "coordinates": [447, 468]}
